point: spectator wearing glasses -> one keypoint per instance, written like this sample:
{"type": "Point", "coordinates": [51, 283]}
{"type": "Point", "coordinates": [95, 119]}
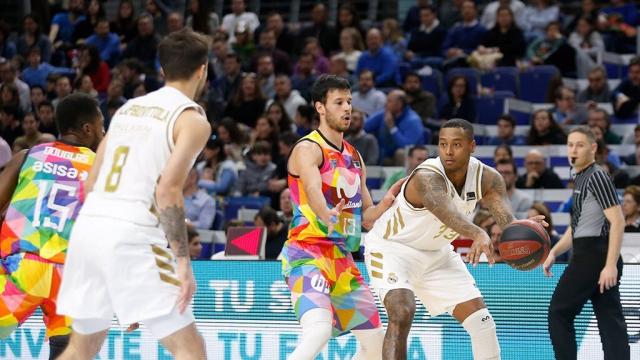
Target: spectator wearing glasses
{"type": "Point", "coordinates": [598, 90]}
{"type": "Point", "coordinates": [566, 111]}
{"type": "Point", "coordinates": [537, 175]}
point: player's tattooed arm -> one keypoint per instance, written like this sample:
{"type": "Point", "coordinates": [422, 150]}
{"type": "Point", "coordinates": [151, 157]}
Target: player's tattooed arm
{"type": "Point", "coordinates": [495, 197]}
{"type": "Point", "coordinates": [172, 221]}
{"type": "Point", "coordinates": [433, 191]}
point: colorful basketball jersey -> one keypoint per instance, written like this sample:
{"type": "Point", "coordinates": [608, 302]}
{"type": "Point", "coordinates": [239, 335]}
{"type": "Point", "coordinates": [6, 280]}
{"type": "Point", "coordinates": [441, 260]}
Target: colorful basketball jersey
{"type": "Point", "coordinates": [46, 201]}
{"type": "Point", "coordinates": [341, 172]}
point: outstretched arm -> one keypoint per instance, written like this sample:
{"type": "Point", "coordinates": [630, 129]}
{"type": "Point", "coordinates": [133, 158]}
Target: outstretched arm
{"type": "Point", "coordinates": [370, 212]}
{"type": "Point", "coordinates": [495, 198]}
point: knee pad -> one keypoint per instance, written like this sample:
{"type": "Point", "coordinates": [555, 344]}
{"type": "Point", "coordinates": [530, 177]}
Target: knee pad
{"type": "Point", "coordinates": [57, 344]}
{"type": "Point", "coordinates": [482, 330]}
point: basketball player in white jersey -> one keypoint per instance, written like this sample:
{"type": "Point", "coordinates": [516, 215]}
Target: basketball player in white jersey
{"type": "Point", "coordinates": [409, 252]}
{"type": "Point", "coordinates": [118, 260]}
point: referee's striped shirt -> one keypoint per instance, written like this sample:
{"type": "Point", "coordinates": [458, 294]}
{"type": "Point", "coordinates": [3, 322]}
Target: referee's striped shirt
{"type": "Point", "coordinates": [593, 193]}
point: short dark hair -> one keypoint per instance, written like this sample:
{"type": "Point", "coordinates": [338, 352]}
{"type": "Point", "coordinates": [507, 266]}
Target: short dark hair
{"type": "Point", "coordinates": [133, 64]}
{"type": "Point", "coordinates": [430, 8]}
{"type": "Point", "coordinates": [181, 53]}
{"type": "Point", "coordinates": [45, 103]}
{"type": "Point", "coordinates": [326, 83]}
{"type": "Point", "coordinates": [268, 216]}
{"type": "Point", "coordinates": [74, 111]}
{"type": "Point", "coordinates": [412, 74]}
{"type": "Point", "coordinates": [459, 123]}
{"type": "Point", "coordinates": [417, 147]}
{"type": "Point", "coordinates": [585, 130]}
{"type": "Point", "coordinates": [509, 118]}
{"type": "Point", "coordinates": [289, 138]}
{"type": "Point", "coordinates": [306, 111]}
{"type": "Point", "coordinates": [634, 61]}
{"type": "Point", "coordinates": [261, 148]}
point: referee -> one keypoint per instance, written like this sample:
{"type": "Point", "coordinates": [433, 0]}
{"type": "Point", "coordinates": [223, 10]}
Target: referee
{"type": "Point", "coordinates": [594, 270]}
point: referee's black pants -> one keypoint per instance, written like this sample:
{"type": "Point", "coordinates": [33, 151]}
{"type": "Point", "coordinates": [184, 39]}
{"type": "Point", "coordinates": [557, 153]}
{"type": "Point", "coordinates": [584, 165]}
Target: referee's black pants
{"type": "Point", "coordinates": [579, 283]}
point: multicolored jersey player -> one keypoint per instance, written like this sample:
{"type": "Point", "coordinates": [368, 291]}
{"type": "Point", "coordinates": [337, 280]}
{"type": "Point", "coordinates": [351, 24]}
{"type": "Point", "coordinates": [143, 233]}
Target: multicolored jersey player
{"type": "Point", "coordinates": [331, 203]}
{"type": "Point", "coordinates": [42, 188]}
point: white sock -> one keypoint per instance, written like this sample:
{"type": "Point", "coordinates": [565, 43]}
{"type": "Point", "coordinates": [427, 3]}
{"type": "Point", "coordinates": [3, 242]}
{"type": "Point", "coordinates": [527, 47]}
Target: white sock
{"type": "Point", "coordinates": [317, 326]}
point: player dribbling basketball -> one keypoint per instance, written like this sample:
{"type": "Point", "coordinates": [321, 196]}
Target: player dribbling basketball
{"type": "Point", "coordinates": [408, 251]}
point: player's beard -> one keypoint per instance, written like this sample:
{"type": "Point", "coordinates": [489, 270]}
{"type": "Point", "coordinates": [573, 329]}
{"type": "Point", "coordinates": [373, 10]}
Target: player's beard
{"type": "Point", "coordinates": [336, 123]}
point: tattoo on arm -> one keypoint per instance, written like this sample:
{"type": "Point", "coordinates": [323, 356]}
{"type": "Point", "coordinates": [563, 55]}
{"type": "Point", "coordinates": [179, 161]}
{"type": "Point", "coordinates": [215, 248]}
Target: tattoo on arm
{"type": "Point", "coordinates": [172, 220]}
{"type": "Point", "coordinates": [433, 190]}
{"type": "Point", "coordinates": [496, 198]}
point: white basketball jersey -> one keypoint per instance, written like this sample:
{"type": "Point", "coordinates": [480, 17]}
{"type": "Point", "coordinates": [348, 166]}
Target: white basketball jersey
{"type": "Point", "coordinates": [140, 141]}
{"type": "Point", "coordinates": [418, 227]}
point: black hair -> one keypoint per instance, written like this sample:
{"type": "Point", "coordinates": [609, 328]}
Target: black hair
{"type": "Point", "coordinates": [508, 118]}
{"type": "Point", "coordinates": [326, 83]}
{"type": "Point", "coordinates": [417, 147]}
{"type": "Point", "coordinates": [268, 216]}
{"type": "Point", "coordinates": [76, 110]}
{"type": "Point", "coordinates": [459, 123]}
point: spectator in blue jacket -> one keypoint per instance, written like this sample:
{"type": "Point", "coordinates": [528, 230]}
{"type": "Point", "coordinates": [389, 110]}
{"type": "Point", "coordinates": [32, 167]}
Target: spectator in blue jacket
{"type": "Point", "coordinates": [396, 127]}
{"type": "Point", "coordinates": [108, 43]}
{"type": "Point", "coordinates": [380, 60]}
{"type": "Point", "coordinates": [36, 72]}
{"type": "Point", "coordinates": [463, 38]}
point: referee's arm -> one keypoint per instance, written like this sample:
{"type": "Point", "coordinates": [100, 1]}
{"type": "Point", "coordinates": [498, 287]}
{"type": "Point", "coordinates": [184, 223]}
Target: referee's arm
{"type": "Point", "coordinates": [609, 275]}
{"type": "Point", "coordinates": [563, 245]}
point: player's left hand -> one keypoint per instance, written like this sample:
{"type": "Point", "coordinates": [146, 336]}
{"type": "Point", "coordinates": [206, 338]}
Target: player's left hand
{"type": "Point", "coordinates": [393, 191]}
{"type": "Point", "coordinates": [133, 327]}
{"type": "Point", "coordinates": [608, 277]}
{"type": "Point", "coordinates": [540, 220]}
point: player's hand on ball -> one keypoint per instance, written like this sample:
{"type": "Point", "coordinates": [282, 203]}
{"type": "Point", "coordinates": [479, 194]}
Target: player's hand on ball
{"type": "Point", "coordinates": [187, 283]}
{"type": "Point", "coordinates": [481, 244]}
{"type": "Point", "coordinates": [393, 191]}
{"type": "Point", "coordinates": [608, 277]}
{"type": "Point", "coordinates": [540, 220]}
{"type": "Point", "coordinates": [546, 267]}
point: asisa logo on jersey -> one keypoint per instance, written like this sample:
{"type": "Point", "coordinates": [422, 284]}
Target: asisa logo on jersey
{"type": "Point", "coordinates": [349, 190]}
{"type": "Point", "coordinates": [59, 170]}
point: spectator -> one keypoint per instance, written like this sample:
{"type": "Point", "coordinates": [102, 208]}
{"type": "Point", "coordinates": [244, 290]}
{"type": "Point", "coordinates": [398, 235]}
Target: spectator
{"type": "Point", "coordinates": [598, 89]}
{"type": "Point", "coordinates": [125, 24]}
{"type": "Point", "coordinates": [36, 73]}
{"type": "Point", "coordinates": [537, 175]}
{"type": "Point", "coordinates": [553, 49]}
{"type": "Point", "coordinates": [450, 12]}
{"type": "Point", "coordinates": [277, 232]}
{"type": "Point", "coordinates": [114, 100]}
{"type": "Point", "coordinates": [218, 174]}
{"type": "Point", "coordinates": [338, 67]}
{"type": "Point", "coordinates": [366, 144]}
{"type": "Point", "coordinates": [506, 37]}
{"type": "Point", "coordinates": [320, 62]}
{"type": "Point", "coordinates": [10, 119]}
{"type": "Point", "coordinates": [47, 121]}
{"type": "Point", "coordinates": [259, 169]}
{"type": "Point", "coordinates": [239, 14]}
{"type": "Point", "coordinates": [91, 64]}
{"type": "Point", "coordinates": [64, 24]}
{"type": "Point", "coordinates": [495, 232]}
{"type": "Point", "coordinates": [285, 41]}
{"type": "Point", "coordinates": [32, 37]}
{"type": "Point", "coordinates": [412, 20]}
{"type": "Point", "coordinates": [199, 207]}
{"type": "Point", "coordinates": [144, 46]}
{"type": "Point", "coordinates": [31, 135]}
{"type": "Point", "coordinates": [502, 152]}
{"type": "Point", "coordinates": [9, 95]}
{"type": "Point", "coordinates": [304, 78]}
{"type": "Point", "coordinates": [175, 22]}
{"type": "Point", "coordinates": [520, 201]}
{"type": "Point", "coordinates": [248, 103]}
{"type": "Point", "coordinates": [8, 75]}
{"type": "Point", "coordinates": [132, 75]}
{"type": "Point", "coordinates": [490, 13]}
{"type": "Point", "coordinates": [565, 110]}
{"type": "Point", "coordinates": [393, 37]}
{"type": "Point", "coordinates": [243, 45]}
{"type": "Point", "coordinates": [605, 157]}
{"type": "Point", "coordinates": [266, 76]}
{"type": "Point", "coordinates": [587, 9]}
{"type": "Point", "coordinates": [85, 27]}
{"type": "Point", "coordinates": [395, 127]}
{"type": "Point", "coordinates": [267, 132]}
{"type": "Point", "coordinates": [279, 116]}
{"type": "Point", "coordinates": [7, 46]}
{"type": "Point", "coordinates": [227, 83]}
{"type": "Point", "coordinates": [267, 46]}
{"type": "Point", "coordinates": [348, 18]}
{"type": "Point", "coordinates": [465, 36]}
{"type": "Point", "coordinates": [427, 39]}
{"type": "Point", "coordinates": [219, 51]}
{"type": "Point", "coordinates": [600, 118]}
{"type": "Point", "coordinates": [320, 29]}
{"type": "Point", "coordinates": [158, 12]}
{"type": "Point", "coordinates": [37, 97]}
{"type": "Point", "coordinates": [588, 44]}
{"type": "Point", "coordinates": [84, 84]}
{"type": "Point", "coordinates": [537, 16]}
{"type": "Point", "coordinates": [459, 103]}
{"type": "Point", "coordinates": [619, 21]}
{"type": "Point", "coordinates": [278, 181]}
{"type": "Point", "coordinates": [626, 96]}
{"type": "Point", "coordinates": [201, 18]}
{"type": "Point", "coordinates": [631, 208]}
{"type": "Point", "coordinates": [416, 156]}
{"type": "Point", "coordinates": [421, 101]}
{"type": "Point", "coordinates": [545, 130]}
{"type": "Point", "coordinates": [195, 246]}
{"type": "Point", "coordinates": [290, 99]}
{"type": "Point", "coordinates": [506, 126]}
{"type": "Point", "coordinates": [368, 99]}
{"type": "Point", "coordinates": [5, 152]}
{"type": "Point", "coordinates": [233, 138]}
{"type": "Point", "coordinates": [107, 43]}
{"type": "Point", "coordinates": [304, 119]}
{"type": "Point", "coordinates": [380, 60]}
{"type": "Point", "coordinates": [286, 207]}
{"type": "Point", "coordinates": [350, 47]}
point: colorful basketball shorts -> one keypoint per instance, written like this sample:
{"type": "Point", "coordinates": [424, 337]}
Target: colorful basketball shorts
{"type": "Point", "coordinates": [324, 275]}
{"type": "Point", "coordinates": [27, 282]}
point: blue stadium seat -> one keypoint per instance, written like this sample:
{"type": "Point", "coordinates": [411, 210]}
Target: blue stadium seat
{"type": "Point", "coordinates": [629, 120]}
{"type": "Point", "coordinates": [433, 83]}
{"type": "Point", "coordinates": [501, 79]}
{"type": "Point", "coordinates": [616, 71]}
{"type": "Point", "coordinates": [233, 204]}
{"type": "Point", "coordinates": [535, 81]}
{"type": "Point", "coordinates": [489, 108]}
{"type": "Point", "coordinates": [404, 68]}
{"type": "Point", "coordinates": [470, 74]}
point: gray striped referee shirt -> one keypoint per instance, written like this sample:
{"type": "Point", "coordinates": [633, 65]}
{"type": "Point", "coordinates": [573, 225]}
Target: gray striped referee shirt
{"type": "Point", "coordinates": [593, 192]}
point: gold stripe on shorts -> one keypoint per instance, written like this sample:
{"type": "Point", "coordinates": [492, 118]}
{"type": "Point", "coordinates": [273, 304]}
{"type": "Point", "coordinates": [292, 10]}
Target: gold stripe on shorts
{"type": "Point", "coordinates": [161, 252]}
{"type": "Point", "coordinates": [376, 264]}
{"type": "Point", "coordinates": [169, 279]}
{"type": "Point", "coordinates": [165, 266]}
{"type": "Point", "coordinates": [377, 255]}
{"type": "Point", "coordinates": [376, 274]}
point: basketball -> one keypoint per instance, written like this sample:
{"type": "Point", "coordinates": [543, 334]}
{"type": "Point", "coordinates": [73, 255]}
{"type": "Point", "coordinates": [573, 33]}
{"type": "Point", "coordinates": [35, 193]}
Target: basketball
{"type": "Point", "coordinates": [524, 244]}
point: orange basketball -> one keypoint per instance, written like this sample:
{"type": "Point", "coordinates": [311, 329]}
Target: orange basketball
{"type": "Point", "coordinates": [524, 244]}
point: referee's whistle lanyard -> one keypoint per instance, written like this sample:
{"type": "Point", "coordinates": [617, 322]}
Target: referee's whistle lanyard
{"type": "Point", "coordinates": [573, 173]}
